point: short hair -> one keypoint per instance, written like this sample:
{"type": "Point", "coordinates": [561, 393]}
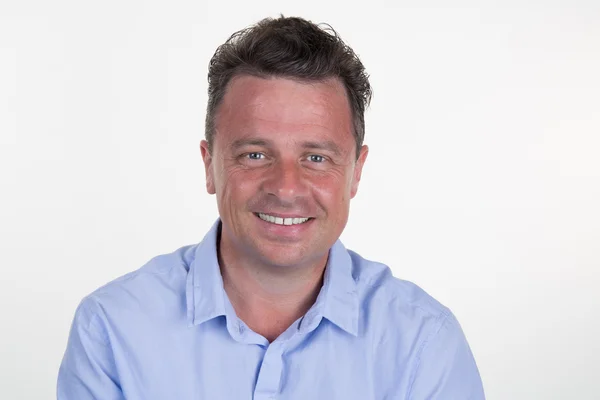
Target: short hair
{"type": "Point", "coordinates": [288, 47]}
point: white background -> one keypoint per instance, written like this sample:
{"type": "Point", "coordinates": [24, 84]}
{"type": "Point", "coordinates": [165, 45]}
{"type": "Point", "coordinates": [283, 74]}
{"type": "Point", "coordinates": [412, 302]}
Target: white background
{"type": "Point", "coordinates": [482, 185]}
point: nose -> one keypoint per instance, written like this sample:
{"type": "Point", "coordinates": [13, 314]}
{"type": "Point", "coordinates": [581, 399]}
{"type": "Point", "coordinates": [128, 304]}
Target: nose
{"type": "Point", "coordinates": [286, 181]}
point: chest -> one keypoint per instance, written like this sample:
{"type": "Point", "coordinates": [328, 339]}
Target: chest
{"type": "Point", "coordinates": [325, 364]}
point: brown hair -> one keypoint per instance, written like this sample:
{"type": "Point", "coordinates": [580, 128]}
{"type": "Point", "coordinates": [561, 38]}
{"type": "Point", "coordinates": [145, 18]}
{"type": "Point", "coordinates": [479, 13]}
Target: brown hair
{"type": "Point", "coordinates": [288, 47]}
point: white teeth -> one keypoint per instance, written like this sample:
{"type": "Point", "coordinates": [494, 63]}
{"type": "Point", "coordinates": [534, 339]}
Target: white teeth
{"type": "Point", "coordinates": [282, 221]}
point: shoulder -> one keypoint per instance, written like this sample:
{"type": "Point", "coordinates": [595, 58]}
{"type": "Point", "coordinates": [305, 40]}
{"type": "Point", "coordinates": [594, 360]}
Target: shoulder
{"type": "Point", "coordinates": [161, 278]}
{"type": "Point", "coordinates": [376, 283]}
{"type": "Point", "coordinates": [394, 307]}
{"type": "Point", "coordinates": [414, 334]}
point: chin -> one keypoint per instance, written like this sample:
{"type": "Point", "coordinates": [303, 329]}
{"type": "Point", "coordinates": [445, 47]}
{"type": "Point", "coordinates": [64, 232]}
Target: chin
{"type": "Point", "coordinates": [291, 255]}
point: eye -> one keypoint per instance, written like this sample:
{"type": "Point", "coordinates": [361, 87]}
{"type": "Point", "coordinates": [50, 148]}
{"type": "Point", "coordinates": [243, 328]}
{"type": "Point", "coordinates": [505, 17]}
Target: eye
{"type": "Point", "coordinates": [255, 156]}
{"type": "Point", "coordinates": [316, 158]}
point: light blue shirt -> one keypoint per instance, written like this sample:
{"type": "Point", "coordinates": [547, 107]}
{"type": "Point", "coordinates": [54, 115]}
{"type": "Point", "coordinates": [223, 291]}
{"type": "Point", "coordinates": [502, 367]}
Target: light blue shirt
{"type": "Point", "coordinates": [168, 331]}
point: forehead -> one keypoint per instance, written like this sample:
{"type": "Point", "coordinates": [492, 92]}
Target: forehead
{"type": "Point", "coordinates": [284, 108]}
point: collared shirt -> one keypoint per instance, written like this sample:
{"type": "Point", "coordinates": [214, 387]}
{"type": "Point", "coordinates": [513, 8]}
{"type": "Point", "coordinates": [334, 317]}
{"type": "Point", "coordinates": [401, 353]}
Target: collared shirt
{"type": "Point", "coordinates": [168, 332]}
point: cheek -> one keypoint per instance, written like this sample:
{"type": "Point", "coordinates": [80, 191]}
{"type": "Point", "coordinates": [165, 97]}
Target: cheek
{"type": "Point", "coordinates": [238, 183]}
{"type": "Point", "coordinates": [332, 189]}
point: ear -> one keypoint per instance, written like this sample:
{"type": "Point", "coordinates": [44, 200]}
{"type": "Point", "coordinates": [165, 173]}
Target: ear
{"type": "Point", "coordinates": [208, 167]}
{"type": "Point", "coordinates": [360, 162]}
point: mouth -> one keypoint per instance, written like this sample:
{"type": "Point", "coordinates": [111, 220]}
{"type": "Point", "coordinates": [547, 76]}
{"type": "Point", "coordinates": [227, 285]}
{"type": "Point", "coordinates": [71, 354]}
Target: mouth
{"type": "Point", "coordinates": [287, 221]}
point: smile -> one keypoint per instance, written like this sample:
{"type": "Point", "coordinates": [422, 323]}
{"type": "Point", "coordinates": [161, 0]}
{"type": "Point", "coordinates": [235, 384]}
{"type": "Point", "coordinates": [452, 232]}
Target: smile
{"type": "Point", "coordinates": [280, 220]}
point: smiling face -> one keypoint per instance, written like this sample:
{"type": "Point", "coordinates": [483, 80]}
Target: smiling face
{"type": "Point", "coordinates": [283, 152]}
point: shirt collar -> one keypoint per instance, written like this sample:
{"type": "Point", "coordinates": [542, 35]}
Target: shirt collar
{"type": "Point", "coordinates": [205, 294]}
{"type": "Point", "coordinates": [337, 300]}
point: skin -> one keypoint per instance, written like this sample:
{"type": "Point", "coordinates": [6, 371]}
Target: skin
{"type": "Point", "coordinates": [285, 148]}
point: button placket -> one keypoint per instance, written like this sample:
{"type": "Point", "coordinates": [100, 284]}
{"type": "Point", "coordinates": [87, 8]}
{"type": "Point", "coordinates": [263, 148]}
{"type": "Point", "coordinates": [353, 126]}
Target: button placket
{"type": "Point", "coordinates": [269, 377]}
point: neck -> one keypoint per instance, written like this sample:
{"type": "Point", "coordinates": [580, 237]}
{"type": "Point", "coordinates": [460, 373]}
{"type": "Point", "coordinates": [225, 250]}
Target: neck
{"type": "Point", "coordinates": [268, 298]}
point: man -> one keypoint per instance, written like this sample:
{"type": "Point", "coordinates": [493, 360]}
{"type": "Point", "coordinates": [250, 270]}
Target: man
{"type": "Point", "coordinates": [270, 305]}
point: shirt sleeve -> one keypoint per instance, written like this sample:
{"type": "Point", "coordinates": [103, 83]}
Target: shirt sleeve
{"type": "Point", "coordinates": [446, 368]}
{"type": "Point", "coordinates": [88, 371]}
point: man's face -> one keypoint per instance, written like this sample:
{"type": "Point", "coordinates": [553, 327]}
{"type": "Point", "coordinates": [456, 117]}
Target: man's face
{"type": "Point", "coordinates": [283, 152]}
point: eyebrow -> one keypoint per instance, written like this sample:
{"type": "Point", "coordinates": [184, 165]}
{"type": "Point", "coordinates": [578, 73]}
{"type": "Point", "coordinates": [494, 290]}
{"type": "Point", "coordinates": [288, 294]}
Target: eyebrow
{"type": "Point", "coordinates": [249, 142]}
{"type": "Point", "coordinates": [328, 145]}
